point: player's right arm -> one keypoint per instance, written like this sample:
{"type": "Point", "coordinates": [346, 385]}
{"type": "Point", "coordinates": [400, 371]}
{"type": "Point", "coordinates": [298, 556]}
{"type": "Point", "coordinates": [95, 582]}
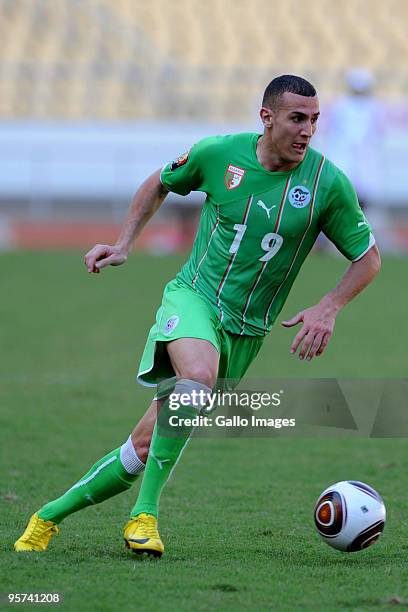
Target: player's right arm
{"type": "Point", "coordinates": [146, 201]}
{"type": "Point", "coordinates": [179, 176]}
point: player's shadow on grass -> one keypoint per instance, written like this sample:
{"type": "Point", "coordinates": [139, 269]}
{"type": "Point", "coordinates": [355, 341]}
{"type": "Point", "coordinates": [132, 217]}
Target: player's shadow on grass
{"type": "Point", "coordinates": [127, 556]}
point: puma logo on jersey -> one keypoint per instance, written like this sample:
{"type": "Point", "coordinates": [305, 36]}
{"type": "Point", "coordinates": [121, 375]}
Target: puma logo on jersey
{"type": "Point", "coordinates": [263, 205]}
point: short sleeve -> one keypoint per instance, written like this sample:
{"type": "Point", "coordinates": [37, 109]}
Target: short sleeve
{"type": "Point", "coordinates": [343, 221]}
{"type": "Point", "coordinates": [184, 174]}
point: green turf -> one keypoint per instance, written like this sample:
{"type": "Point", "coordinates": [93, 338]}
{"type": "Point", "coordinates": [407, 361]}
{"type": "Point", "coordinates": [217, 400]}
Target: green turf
{"type": "Point", "coordinates": [237, 516]}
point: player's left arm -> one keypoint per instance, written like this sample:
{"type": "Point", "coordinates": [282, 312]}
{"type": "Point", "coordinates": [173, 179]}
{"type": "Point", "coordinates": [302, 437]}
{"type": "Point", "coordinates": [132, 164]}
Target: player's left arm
{"type": "Point", "coordinates": [318, 321]}
{"type": "Point", "coordinates": [344, 223]}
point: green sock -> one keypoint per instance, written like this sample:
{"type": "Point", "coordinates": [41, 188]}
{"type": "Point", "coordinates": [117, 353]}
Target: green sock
{"type": "Point", "coordinates": [165, 449]}
{"type": "Point", "coordinates": [105, 479]}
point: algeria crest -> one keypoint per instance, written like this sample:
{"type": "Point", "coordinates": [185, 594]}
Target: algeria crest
{"type": "Point", "coordinates": [299, 196]}
{"type": "Point", "coordinates": [233, 177]}
{"type": "Point", "coordinates": [171, 323]}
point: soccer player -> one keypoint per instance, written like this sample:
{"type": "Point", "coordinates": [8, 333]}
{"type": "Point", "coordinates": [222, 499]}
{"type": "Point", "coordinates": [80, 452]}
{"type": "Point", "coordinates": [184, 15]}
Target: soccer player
{"type": "Point", "coordinates": [268, 197]}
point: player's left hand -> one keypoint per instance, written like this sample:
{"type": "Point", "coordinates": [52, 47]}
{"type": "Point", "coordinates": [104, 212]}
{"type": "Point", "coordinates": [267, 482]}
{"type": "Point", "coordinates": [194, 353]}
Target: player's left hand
{"type": "Point", "coordinates": [318, 325]}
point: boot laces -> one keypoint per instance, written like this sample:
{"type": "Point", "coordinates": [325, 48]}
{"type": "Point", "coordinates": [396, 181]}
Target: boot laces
{"type": "Point", "coordinates": [148, 526]}
{"type": "Point", "coordinates": [37, 532]}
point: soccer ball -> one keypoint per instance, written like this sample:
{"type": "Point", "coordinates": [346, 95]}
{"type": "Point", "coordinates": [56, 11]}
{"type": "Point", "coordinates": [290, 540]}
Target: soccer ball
{"type": "Point", "coordinates": [349, 515]}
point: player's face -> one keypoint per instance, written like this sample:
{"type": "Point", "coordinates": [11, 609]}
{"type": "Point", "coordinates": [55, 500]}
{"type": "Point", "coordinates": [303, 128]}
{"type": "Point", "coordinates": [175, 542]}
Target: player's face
{"type": "Point", "coordinates": [291, 125]}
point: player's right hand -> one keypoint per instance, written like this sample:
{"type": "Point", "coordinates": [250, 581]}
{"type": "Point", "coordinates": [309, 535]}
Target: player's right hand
{"type": "Point", "coordinates": [103, 255]}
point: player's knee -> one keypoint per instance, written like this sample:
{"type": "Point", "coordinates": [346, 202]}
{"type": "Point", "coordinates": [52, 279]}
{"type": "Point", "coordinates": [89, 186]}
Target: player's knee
{"type": "Point", "coordinates": [200, 373]}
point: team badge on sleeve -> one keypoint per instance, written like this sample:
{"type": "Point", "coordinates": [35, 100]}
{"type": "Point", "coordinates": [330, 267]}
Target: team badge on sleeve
{"type": "Point", "coordinates": [233, 177]}
{"type": "Point", "coordinates": [299, 196]}
{"type": "Point", "coordinates": [180, 161]}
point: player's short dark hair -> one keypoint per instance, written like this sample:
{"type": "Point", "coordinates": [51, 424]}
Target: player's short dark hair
{"type": "Point", "coordinates": [286, 83]}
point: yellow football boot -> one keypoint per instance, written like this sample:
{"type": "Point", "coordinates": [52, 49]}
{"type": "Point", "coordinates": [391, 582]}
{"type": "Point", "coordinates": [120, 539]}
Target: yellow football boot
{"type": "Point", "coordinates": [141, 535]}
{"type": "Point", "coordinates": [37, 535]}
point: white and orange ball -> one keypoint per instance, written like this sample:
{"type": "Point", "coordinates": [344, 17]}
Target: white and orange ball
{"type": "Point", "coordinates": [350, 515]}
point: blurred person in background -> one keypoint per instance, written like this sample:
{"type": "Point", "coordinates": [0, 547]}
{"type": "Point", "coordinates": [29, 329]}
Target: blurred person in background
{"type": "Point", "coordinates": [268, 197]}
{"type": "Point", "coordinates": [355, 133]}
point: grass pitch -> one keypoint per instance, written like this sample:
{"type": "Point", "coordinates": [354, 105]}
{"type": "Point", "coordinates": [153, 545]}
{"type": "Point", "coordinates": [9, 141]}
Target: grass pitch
{"type": "Point", "coordinates": [236, 518]}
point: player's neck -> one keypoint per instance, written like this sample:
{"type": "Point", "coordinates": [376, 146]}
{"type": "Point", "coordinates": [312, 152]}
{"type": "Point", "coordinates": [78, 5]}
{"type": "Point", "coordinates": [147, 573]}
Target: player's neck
{"type": "Point", "coordinates": [270, 159]}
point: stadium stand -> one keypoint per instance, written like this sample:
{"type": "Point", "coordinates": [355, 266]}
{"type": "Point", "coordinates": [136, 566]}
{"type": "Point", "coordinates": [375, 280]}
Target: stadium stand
{"type": "Point", "coordinates": [95, 94]}
{"type": "Point", "coordinates": [118, 59]}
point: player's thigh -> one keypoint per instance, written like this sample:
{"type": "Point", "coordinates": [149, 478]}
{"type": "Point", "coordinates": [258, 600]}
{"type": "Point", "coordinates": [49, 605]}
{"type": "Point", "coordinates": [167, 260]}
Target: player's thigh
{"type": "Point", "coordinates": [237, 354]}
{"type": "Point", "coordinates": [185, 340]}
{"type": "Point", "coordinates": [195, 359]}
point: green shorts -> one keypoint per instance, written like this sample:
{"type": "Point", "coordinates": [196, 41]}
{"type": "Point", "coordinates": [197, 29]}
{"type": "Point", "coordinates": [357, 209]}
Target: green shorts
{"type": "Point", "coordinates": [184, 313]}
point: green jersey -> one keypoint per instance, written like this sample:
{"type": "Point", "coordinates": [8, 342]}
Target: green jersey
{"type": "Point", "coordinates": [257, 226]}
